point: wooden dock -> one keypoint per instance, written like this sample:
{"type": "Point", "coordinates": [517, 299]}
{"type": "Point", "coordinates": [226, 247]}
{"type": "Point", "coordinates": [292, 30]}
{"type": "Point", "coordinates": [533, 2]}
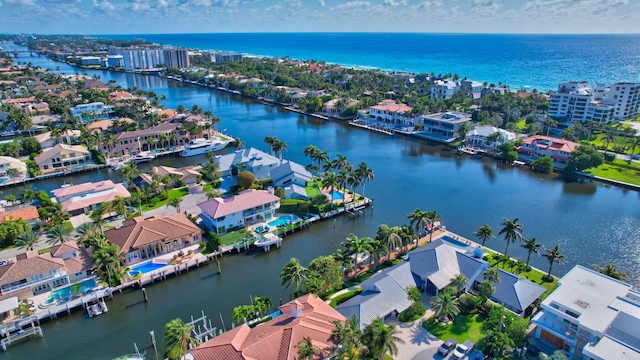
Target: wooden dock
{"type": "Point", "coordinates": [371, 128]}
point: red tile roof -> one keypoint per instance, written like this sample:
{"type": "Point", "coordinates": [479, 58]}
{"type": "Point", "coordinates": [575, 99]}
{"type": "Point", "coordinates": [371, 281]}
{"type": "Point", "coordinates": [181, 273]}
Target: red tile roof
{"type": "Point", "coordinates": [27, 213]}
{"type": "Point", "coordinates": [22, 269]}
{"type": "Point", "coordinates": [546, 142]}
{"type": "Point", "coordinates": [391, 106]}
{"type": "Point", "coordinates": [247, 199]}
{"type": "Point", "coordinates": [276, 339]}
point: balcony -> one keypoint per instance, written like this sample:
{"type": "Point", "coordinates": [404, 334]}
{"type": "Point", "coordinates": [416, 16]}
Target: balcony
{"type": "Point", "coordinates": [9, 289]}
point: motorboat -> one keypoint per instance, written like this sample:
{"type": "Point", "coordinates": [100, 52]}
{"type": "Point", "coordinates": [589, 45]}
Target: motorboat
{"type": "Point", "coordinates": [267, 239]}
{"type": "Point", "coordinates": [142, 157]}
{"type": "Point", "coordinates": [94, 310]}
{"type": "Point", "coordinates": [200, 146]}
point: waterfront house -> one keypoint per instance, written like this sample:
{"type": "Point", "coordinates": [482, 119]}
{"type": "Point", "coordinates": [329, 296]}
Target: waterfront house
{"type": "Point", "coordinates": [331, 107]}
{"type": "Point", "coordinates": [27, 213]}
{"type": "Point", "coordinates": [83, 198]}
{"type": "Point", "coordinates": [101, 126]}
{"type": "Point", "coordinates": [444, 89]}
{"type": "Point", "coordinates": [383, 295]}
{"type": "Point", "coordinates": [482, 137]}
{"type": "Point", "coordinates": [86, 113]}
{"type": "Point", "coordinates": [67, 137]}
{"type": "Point", "coordinates": [292, 177]}
{"type": "Point", "coordinates": [389, 112]}
{"type": "Point", "coordinates": [140, 239]}
{"type": "Point", "coordinates": [473, 89]}
{"type": "Point", "coordinates": [591, 316]}
{"type": "Point", "coordinates": [61, 157]}
{"type": "Point", "coordinates": [7, 162]}
{"type": "Point", "coordinates": [443, 126]}
{"type": "Point", "coordinates": [133, 142]}
{"type": "Point", "coordinates": [76, 259]}
{"type": "Point", "coordinates": [253, 160]}
{"type": "Point", "coordinates": [44, 119]}
{"type": "Point", "coordinates": [305, 317]}
{"type": "Point", "coordinates": [92, 84]}
{"type": "Point", "coordinates": [437, 263]}
{"type": "Point", "coordinates": [249, 206]}
{"type": "Point", "coordinates": [538, 146]}
{"type": "Point", "coordinates": [186, 175]}
{"type": "Point", "coordinates": [32, 274]}
{"type": "Point", "coordinates": [515, 293]}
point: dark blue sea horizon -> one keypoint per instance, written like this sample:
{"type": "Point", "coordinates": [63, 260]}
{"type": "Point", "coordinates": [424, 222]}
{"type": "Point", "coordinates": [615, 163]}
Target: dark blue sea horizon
{"type": "Point", "coordinates": [522, 61]}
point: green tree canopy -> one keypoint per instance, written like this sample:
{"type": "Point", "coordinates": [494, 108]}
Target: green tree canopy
{"type": "Point", "coordinates": [584, 157]}
{"type": "Point", "coordinates": [543, 165]}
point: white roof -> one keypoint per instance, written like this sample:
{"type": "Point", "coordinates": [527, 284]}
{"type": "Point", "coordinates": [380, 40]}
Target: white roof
{"type": "Point", "coordinates": [608, 348]}
{"type": "Point", "coordinates": [8, 304]}
{"type": "Point", "coordinates": [252, 157]}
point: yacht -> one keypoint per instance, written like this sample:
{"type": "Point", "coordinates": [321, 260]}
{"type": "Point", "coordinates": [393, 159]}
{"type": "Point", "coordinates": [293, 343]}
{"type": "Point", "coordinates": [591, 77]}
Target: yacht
{"type": "Point", "coordinates": [142, 157]}
{"type": "Point", "coordinates": [200, 146]}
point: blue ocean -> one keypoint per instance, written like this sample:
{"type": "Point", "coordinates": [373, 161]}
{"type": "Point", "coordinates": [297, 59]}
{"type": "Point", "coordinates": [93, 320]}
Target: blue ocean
{"type": "Point", "coordinates": [520, 61]}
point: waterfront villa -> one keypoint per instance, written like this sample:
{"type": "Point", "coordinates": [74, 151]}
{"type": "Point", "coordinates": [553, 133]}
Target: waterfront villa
{"type": "Point", "coordinates": [82, 198]}
{"type": "Point", "coordinates": [330, 107]}
{"type": "Point", "coordinates": [538, 146]}
{"type": "Point", "coordinates": [253, 160]}
{"type": "Point", "coordinates": [249, 206]}
{"type": "Point", "coordinates": [76, 259]}
{"type": "Point", "coordinates": [306, 316]}
{"type": "Point", "coordinates": [481, 137]}
{"type": "Point", "coordinates": [62, 156]}
{"type": "Point", "coordinates": [140, 239]}
{"type": "Point", "coordinates": [591, 316]}
{"type": "Point", "coordinates": [443, 126]}
{"type": "Point", "coordinates": [383, 295]}
{"type": "Point", "coordinates": [293, 178]}
{"type": "Point", "coordinates": [389, 112]}
{"type": "Point", "coordinates": [86, 113]}
{"type": "Point", "coordinates": [67, 137]}
{"type": "Point", "coordinates": [32, 274]}
{"type": "Point", "coordinates": [187, 175]}
{"type": "Point", "coordinates": [444, 89]}
{"type": "Point", "coordinates": [7, 162]}
{"type": "Point", "coordinates": [133, 142]}
{"type": "Point", "coordinates": [515, 293]}
{"type": "Point", "coordinates": [28, 214]}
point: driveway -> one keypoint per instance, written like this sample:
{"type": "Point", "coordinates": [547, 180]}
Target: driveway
{"type": "Point", "coordinates": [418, 342]}
{"type": "Point", "coordinates": [189, 203]}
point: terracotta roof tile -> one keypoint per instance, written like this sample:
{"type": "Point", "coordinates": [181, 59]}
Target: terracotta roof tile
{"type": "Point", "coordinates": [22, 269]}
{"type": "Point", "coordinates": [27, 213]}
{"type": "Point", "coordinates": [247, 199]}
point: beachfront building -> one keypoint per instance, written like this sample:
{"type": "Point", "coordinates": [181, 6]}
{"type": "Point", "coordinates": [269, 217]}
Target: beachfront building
{"type": "Point", "coordinates": [249, 206]}
{"type": "Point", "coordinates": [389, 112]}
{"type": "Point", "coordinates": [253, 160]}
{"type": "Point", "coordinates": [443, 126]}
{"type": "Point", "coordinates": [26, 213]}
{"type": "Point", "coordinates": [176, 58]}
{"type": "Point", "coordinates": [591, 316]}
{"type": "Point", "coordinates": [293, 178]}
{"type": "Point", "coordinates": [474, 89]}
{"type": "Point", "coordinates": [305, 317]}
{"type": "Point", "coordinates": [383, 295]}
{"type": "Point", "coordinates": [141, 239]}
{"type": "Point", "coordinates": [115, 61]}
{"type": "Point", "coordinates": [86, 113]}
{"type": "Point", "coordinates": [83, 198]}
{"type": "Point", "coordinates": [68, 136]}
{"type": "Point", "coordinates": [224, 56]}
{"type": "Point", "coordinates": [61, 157]}
{"type": "Point", "coordinates": [90, 61]}
{"type": "Point", "coordinates": [576, 101]}
{"type": "Point", "coordinates": [482, 137]}
{"type": "Point", "coordinates": [32, 274]}
{"type": "Point", "coordinates": [538, 146]}
{"type": "Point", "coordinates": [625, 97]}
{"type": "Point", "coordinates": [444, 89]}
{"type": "Point", "coordinates": [7, 162]}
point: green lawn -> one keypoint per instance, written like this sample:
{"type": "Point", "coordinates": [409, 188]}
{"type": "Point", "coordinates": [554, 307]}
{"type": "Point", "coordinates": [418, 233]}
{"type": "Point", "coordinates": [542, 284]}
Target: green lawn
{"type": "Point", "coordinates": [464, 327]}
{"type": "Point", "coordinates": [313, 189]}
{"type": "Point", "coordinates": [173, 193]}
{"type": "Point", "coordinates": [234, 237]}
{"type": "Point", "coordinates": [532, 275]}
{"type": "Point", "coordinates": [612, 172]}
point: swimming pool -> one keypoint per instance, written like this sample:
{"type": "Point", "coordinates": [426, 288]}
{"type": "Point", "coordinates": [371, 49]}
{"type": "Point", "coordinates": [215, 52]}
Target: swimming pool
{"type": "Point", "coordinates": [454, 242]}
{"type": "Point", "coordinates": [336, 195]}
{"type": "Point", "coordinates": [65, 292]}
{"type": "Point", "coordinates": [283, 220]}
{"type": "Point", "coordinates": [145, 268]}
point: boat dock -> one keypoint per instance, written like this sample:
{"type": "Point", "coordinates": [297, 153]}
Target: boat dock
{"type": "Point", "coordinates": [20, 334]}
{"type": "Point", "coordinates": [359, 124]}
{"type": "Point", "coordinates": [70, 171]}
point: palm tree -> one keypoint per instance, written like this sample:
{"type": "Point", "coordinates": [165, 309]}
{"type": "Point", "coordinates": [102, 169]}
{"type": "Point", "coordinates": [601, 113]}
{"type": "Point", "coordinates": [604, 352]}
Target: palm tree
{"type": "Point", "coordinates": [365, 173]}
{"type": "Point", "coordinates": [407, 236]}
{"type": "Point", "coordinates": [611, 271]}
{"type": "Point", "coordinates": [27, 240]}
{"type": "Point", "coordinates": [310, 151]}
{"type": "Point", "coordinates": [532, 248]}
{"type": "Point", "coordinates": [433, 217]}
{"type": "Point", "coordinates": [459, 282]}
{"type": "Point", "coordinates": [119, 205]}
{"type": "Point", "coordinates": [512, 231]}
{"type": "Point", "coordinates": [293, 274]}
{"type": "Point", "coordinates": [484, 232]}
{"type": "Point", "coordinates": [607, 138]}
{"type": "Point", "coordinates": [419, 220]}
{"type": "Point", "coordinates": [178, 339]}
{"type": "Point", "coordinates": [28, 195]}
{"type": "Point", "coordinates": [347, 334]}
{"type": "Point", "coordinates": [341, 162]}
{"type": "Point", "coordinates": [381, 339]}
{"type": "Point", "coordinates": [175, 202]}
{"type": "Point", "coordinates": [356, 246]}
{"type": "Point", "coordinates": [492, 274]}
{"type": "Point", "coordinates": [485, 290]}
{"type": "Point", "coordinates": [389, 237]}
{"type": "Point", "coordinates": [445, 305]}
{"type": "Point", "coordinates": [262, 304]}
{"type": "Point", "coordinates": [278, 147]}
{"type": "Point", "coordinates": [306, 349]}
{"type": "Point", "coordinates": [329, 180]}
{"type": "Point", "coordinates": [271, 140]}
{"type": "Point", "coordinates": [58, 233]}
{"type": "Point", "coordinates": [554, 256]}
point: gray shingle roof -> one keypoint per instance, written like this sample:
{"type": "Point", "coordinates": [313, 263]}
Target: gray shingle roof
{"type": "Point", "coordinates": [515, 292]}
{"type": "Point", "coordinates": [289, 169]}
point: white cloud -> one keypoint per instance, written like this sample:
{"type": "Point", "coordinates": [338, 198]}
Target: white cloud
{"type": "Point", "coordinates": [351, 5]}
{"type": "Point", "coordinates": [395, 3]}
{"type": "Point", "coordinates": [21, 2]}
{"type": "Point", "coordinates": [104, 5]}
{"type": "Point", "coordinates": [322, 3]}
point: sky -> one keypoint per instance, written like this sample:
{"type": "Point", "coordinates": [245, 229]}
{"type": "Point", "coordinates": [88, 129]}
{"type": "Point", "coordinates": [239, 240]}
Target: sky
{"type": "Point", "coordinates": [207, 16]}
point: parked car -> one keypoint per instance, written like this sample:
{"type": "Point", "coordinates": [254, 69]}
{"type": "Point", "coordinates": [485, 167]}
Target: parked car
{"type": "Point", "coordinates": [447, 347]}
{"type": "Point", "coordinates": [462, 350]}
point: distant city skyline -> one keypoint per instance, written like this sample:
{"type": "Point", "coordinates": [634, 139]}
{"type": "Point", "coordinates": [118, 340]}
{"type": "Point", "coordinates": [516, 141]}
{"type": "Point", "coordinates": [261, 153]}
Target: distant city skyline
{"type": "Point", "coordinates": [206, 16]}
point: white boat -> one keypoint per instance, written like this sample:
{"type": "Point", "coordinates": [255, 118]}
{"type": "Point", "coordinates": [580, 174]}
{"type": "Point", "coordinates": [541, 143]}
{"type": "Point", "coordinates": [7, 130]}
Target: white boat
{"type": "Point", "coordinates": [103, 306]}
{"type": "Point", "coordinates": [267, 239]}
{"type": "Point", "coordinates": [142, 157]}
{"type": "Point", "coordinates": [94, 310]}
{"type": "Point", "coordinates": [200, 146]}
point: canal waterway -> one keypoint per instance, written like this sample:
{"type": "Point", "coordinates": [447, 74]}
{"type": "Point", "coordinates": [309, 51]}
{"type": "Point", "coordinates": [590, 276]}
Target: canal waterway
{"type": "Point", "coordinates": [592, 223]}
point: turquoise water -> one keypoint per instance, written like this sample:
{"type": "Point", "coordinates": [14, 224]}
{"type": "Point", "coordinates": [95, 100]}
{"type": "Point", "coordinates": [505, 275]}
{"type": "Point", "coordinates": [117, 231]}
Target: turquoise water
{"type": "Point", "coordinates": [454, 242]}
{"type": "Point", "coordinates": [145, 268]}
{"type": "Point", "coordinates": [283, 220]}
{"type": "Point", "coordinates": [521, 61]}
{"type": "Point", "coordinates": [336, 195]}
{"type": "Point", "coordinates": [66, 291]}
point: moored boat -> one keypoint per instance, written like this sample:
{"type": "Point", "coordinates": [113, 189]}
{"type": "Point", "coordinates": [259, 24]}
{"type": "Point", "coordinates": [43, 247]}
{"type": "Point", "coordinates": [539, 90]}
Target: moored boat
{"type": "Point", "coordinates": [142, 157]}
{"type": "Point", "coordinates": [200, 146]}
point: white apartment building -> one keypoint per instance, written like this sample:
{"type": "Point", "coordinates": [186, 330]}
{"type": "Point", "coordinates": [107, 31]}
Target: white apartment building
{"type": "Point", "coordinates": [93, 111]}
{"type": "Point", "coordinates": [176, 58]}
{"type": "Point", "coordinates": [591, 316]}
{"type": "Point", "coordinates": [389, 112]}
{"type": "Point", "coordinates": [115, 61]}
{"type": "Point", "coordinates": [140, 58]}
{"type": "Point", "coordinates": [626, 99]}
